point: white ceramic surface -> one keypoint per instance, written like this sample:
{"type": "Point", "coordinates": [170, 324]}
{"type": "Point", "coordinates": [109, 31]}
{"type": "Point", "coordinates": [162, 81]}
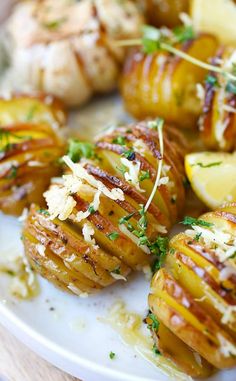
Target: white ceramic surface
{"type": "Point", "coordinates": [72, 337]}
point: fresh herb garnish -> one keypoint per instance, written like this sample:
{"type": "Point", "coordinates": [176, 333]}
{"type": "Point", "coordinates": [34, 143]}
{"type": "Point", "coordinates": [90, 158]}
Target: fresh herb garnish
{"type": "Point", "coordinates": [31, 113]}
{"type": "Point", "coordinates": [54, 24]}
{"type": "Point", "coordinates": [195, 222]}
{"type": "Point", "coordinates": [43, 211]}
{"type": "Point", "coordinates": [197, 237]}
{"type": "Point", "coordinates": [113, 236]}
{"type": "Point", "coordinates": [160, 249]}
{"type": "Point", "coordinates": [207, 165]}
{"type": "Point", "coordinates": [79, 149]}
{"type": "Point", "coordinates": [144, 175]}
{"type": "Point", "coordinates": [154, 40]}
{"type": "Point", "coordinates": [183, 33]}
{"type": "Point", "coordinates": [91, 209]}
{"type": "Point", "coordinates": [112, 355]}
{"type": "Point", "coordinates": [125, 219]}
{"type": "Point", "coordinates": [156, 350]}
{"type": "Point", "coordinates": [129, 154]}
{"type": "Point", "coordinates": [156, 124]}
{"type": "Point", "coordinates": [152, 321]}
{"type": "Point", "coordinates": [121, 140]}
{"type": "Point", "coordinates": [212, 80]}
{"type": "Point", "coordinates": [13, 172]}
{"type": "Point", "coordinates": [231, 87]}
{"type": "Point", "coordinates": [116, 270]}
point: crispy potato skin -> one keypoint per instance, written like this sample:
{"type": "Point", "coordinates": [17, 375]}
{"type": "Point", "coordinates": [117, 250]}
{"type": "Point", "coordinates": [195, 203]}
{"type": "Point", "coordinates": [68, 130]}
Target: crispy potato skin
{"type": "Point", "coordinates": [164, 12]}
{"type": "Point", "coordinates": [29, 151]}
{"type": "Point", "coordinates": [192, 299]}
{"type": "Point", "coordinates": [217, 123]}
{"type": "Point", "coordinates": [161, 84]}
{"type": "Point", "coordinates": [83, 267]}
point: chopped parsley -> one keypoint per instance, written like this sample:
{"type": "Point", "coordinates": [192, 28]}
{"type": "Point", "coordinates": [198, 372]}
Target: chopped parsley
{"type": "Point", "coordinates": [31, 113]}
{"type": "Point", "coordinates": [116, 270]}
{"type": "Point", "coordinates": [156, 350]}
{"type": "Point", "coordinates": [195, 222]}
{"type": "Point", "coordinates": [197, 237]}
{"type": "Point", "coordinates": [54, 24]}
{"type": "Point", "coordinates": [79, 149]}
{"type": "Point", "coordinates": [13, 172]}
{"type": "Point", "coordinates": [172, 251]}
{"type": "Point", "coordinates": [152, 322]}
{"type": "Point", "coordinates": [159, 248]}
{"type": "Point", "coordinates": [91, 209]}
{"type": "Point", "coordinates": [183, 33]}
{"type": "Point", "coordinates": [113, 236]}
{"type": "Point", "coordinates": [231, 87]}
{"type": "Point", "coordinates": [129, 154]}
{"type": "Point", "coordinates": [112, 355]}
{"type": "Point", "coordinates": [144, 175]}
{"type": "Point", "coordinates": [212, 80]}
{"type": "Point", "coordinates": [43, 211]}
{"type": "Point", "coordinates": [207, 165]}
{"type": "Point", "coordinates": [121, 140]}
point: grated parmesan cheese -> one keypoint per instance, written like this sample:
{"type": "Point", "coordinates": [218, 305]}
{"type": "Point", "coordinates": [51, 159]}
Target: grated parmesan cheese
{"type": "Point", "coordinates": [41, 249]}
{"type": "Point", "coordinates": [80, 172]}
{"type": "Point", "coordinates": [88, 232]}
{"type": "Point", "coordinates": [60, 202]}
{"type": "Point", "coordinates": [227, 348]}
{"type": "Point", "coordinates": [132, 175]}
{"type": "Point", "coordinates": [118, 276]}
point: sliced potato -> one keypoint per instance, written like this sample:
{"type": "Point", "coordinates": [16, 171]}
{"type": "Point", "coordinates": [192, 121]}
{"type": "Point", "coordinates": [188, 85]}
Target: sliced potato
{"type": "Point", "coordinates": [103, 241]}
{"type": "Point", "coordinates": [161, 84]}
{"type": "Point", "coordinates": [194, 295]}
{"type": "Point", "coordinates": [30, 147]}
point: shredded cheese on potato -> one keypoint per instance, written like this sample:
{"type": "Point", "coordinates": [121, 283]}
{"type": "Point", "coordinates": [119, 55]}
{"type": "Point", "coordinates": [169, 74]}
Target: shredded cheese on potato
{"type": "Point", "coordinates": [132, 175]}
{"type": "Point", "coordinates": [88, 232]}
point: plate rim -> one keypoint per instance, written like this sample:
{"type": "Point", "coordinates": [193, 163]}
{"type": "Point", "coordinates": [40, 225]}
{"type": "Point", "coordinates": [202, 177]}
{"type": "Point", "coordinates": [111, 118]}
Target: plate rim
{"type": "Point", "coordinates": [12, 322]}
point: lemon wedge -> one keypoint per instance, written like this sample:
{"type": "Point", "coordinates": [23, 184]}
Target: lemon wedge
{"type": "Point", "coordinates": [212, 176]}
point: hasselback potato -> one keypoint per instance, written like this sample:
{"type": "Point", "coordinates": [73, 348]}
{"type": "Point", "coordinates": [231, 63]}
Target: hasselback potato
{"type": "Point", "coordinates": [96, 229]}
{"type": "Point", "coordinates": [29, 149]}
{"type": "Point", "coordinates": [194, 294]}
{"type": "Point", "coordinates": [218, 120]}
{"type": "Point", "coordinates": [165, 85]}
{"type": "Point", "coordinates": [67, 48]}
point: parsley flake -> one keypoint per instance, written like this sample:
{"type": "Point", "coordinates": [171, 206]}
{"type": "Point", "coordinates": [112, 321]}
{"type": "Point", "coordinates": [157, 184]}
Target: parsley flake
{"type": "Point", "coordinates": [144, 175]}
{"type": "Point", "coordinates": [121, 140]}
{"type": "Point", "coordinates": [195, 222]}
{"type": "Point", "coordinates": [152, 322]}
{"type": "Point", "coordinates": [79, 149]}
{"type": "Point", "coordinates": [113, 236]}
{"type": "Point", "coordinates": [112, 355]}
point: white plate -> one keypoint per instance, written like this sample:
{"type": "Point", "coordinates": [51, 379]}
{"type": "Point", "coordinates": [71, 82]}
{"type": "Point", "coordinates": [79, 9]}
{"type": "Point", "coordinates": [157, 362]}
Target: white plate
{"type": "Point", "coordinates": [72, 337]}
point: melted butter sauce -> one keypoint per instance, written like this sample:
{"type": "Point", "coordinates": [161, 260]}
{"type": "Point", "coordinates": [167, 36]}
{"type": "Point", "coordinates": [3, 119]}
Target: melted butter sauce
{"type": "Point", "coordinates": [23, 283]}
{"type": "Point", "coordinates": [133, 332]}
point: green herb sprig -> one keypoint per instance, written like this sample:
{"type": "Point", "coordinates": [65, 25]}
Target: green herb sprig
{"type": "Point", "coordinates": [196, 222]}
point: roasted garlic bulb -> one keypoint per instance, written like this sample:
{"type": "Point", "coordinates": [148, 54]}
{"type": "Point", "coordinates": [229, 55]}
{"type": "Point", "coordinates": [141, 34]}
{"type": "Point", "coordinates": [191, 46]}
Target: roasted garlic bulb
{"type": "Point", "coordinates": [218, 120]}
{"type": "Point", "coordinates": [103, 218]}
{"type": "Point", "coordinates": [29, 149]}
{"type": "Point", "coordinates": [165, 85]}
{"type": "Point", "coordinates": [194, 295]}
{"type": "Point", "coordinates": [164, 12]}
{"type": "Point", "coordinates": [67, 48]}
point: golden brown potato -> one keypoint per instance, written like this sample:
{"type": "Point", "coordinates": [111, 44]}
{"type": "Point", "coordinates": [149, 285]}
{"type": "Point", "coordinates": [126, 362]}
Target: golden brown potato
{"type": "Point", "coordinates": [218, 120]}
{"type": "Point", "coordinates": [164, 12]}
{"type": "Point", "coordinates": [165, 85]}
{"type": "Point", "coordinates": [96, 229]}
{"type": "Point", "coordinates": [194, 295]}
{"type": "Point", "coordinates": [29, 149]}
